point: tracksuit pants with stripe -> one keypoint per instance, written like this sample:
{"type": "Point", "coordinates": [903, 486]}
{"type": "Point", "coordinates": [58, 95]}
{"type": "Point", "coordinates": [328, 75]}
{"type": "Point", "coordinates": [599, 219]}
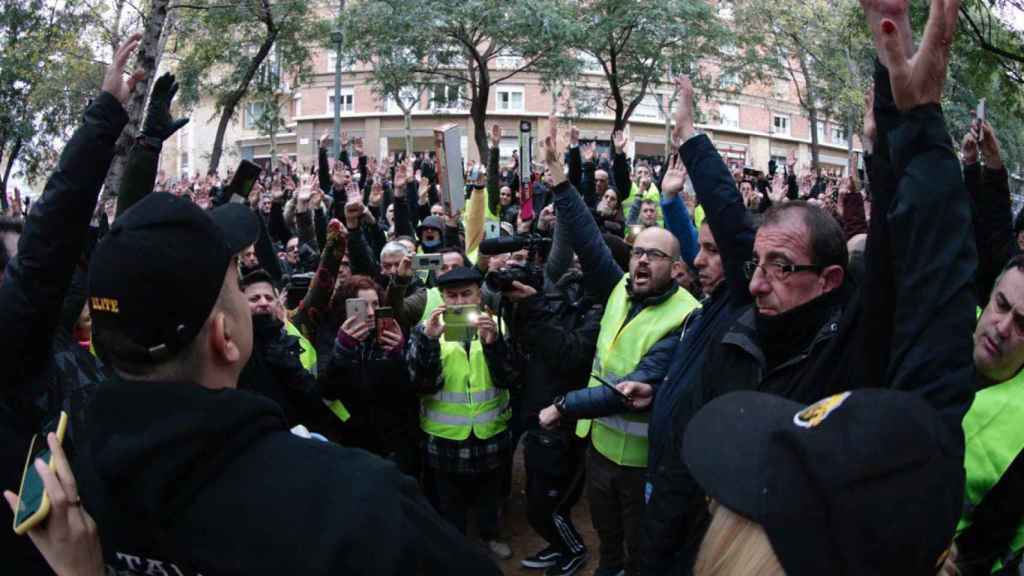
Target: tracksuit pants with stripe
{"type": "Point", "coordinates": [554, 483]}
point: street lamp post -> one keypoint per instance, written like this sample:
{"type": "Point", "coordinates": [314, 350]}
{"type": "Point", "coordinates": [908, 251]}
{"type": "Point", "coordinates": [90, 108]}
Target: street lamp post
{"type": "Point", "coordinates": [336, 38]}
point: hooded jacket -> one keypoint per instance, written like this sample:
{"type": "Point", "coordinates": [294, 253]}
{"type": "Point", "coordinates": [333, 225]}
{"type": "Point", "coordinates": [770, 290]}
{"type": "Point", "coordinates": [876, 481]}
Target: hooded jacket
{"type": "Point", "coordinates": [185, 480]}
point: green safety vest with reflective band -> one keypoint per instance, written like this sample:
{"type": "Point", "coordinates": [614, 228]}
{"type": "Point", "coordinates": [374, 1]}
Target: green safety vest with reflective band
{"type": "Point", "coordinates": [468, 402]}
{"type": "Point", "coordinates": [993, 437]}
{"type": "Point", "coordinates": [623, 438]}
{"type": "Point", "coordinates": [433, 301]}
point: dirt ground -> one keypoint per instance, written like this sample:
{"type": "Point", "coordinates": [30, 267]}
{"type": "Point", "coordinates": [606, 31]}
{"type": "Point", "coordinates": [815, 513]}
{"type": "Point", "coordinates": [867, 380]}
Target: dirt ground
{"type": "Point", "coordinates": [524, 541]}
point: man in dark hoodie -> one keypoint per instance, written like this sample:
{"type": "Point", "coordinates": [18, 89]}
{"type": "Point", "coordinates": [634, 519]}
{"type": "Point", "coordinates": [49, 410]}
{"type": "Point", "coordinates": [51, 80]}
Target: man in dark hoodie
{"type": "Point", "coordinates": [184, 473]}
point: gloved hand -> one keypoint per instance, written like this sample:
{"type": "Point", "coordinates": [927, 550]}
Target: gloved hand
{"type": "Point", "coordinates": [159, 123]}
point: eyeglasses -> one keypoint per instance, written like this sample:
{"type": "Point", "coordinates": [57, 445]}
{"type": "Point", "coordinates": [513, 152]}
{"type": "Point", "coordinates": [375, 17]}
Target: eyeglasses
{"type": "Point", "coordinates": [651, 253]}
{"type": "Point", "coordinates": [777, 271]}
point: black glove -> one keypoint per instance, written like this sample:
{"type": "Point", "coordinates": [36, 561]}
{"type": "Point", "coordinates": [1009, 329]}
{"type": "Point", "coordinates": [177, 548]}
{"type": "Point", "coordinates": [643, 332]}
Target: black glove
{"type": "Point", "coordinates": [159, 123]}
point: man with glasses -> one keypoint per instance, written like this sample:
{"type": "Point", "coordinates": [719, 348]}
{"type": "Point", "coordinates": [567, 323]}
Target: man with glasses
{"type": "Point", "coordinates": [643, 314]}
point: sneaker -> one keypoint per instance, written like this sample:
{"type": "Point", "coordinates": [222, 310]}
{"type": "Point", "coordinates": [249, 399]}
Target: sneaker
{"type": "Point", "coordinates": [568, 565]}
{"type": "Point", "coordinates": [605, 571]}
{"type": "Point", "coordinates": [544, 559]}
{"type": "Point", "coordinates": [499, 549]}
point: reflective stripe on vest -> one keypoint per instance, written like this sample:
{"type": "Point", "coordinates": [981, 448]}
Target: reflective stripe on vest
{"type": "Point", "coordinates": [491, 415]}
{"type": "Point", "coordinates": [468, 401]}
{"type": "Point", "coordinates": [466, 398]}
{"type": "Point", "coordinates": [620, 347]}
{"type": "Point", "coordinates": [993, 437]}
{"type": "Point", "coordinates": [631, 427]}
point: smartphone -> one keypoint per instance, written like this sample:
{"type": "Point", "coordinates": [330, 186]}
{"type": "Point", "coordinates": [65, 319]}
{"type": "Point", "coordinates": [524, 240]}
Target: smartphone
{"type": "Point", "coordinates": [622, 395]}
{"type": "Point", "coordinates": [33, 503]}
{"type": "Point", "coordinates": [427, 262]}
{"type": "Point", "coordinates": [460, 323]}
{"type": "Point", "coordinates": [474, 173]}
{"type": "Point", "coordinates": [385, 320]}
{"type": "Point", "coordinates": [242, 182]}
{"type": "Point", "coordinates": [357, 307]}
{"type": "Point", "coordinates": [492, 230]}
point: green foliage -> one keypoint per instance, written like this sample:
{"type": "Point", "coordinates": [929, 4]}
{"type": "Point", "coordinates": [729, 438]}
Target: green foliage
{"type": "Point", "coordinates": [637, 45]}
{"type": "Point", "coordinates": [47, 76]}
{"type": "Point", "coordinates": [217, 45]}
{"type": "Point", "coordinates": [458, 43]}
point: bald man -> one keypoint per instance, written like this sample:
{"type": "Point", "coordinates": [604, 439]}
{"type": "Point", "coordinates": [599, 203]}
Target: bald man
{"type": "Point", "coordinates": [643, 316]}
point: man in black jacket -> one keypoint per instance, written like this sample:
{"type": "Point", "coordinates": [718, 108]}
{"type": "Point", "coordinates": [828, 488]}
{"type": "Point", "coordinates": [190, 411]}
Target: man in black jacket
{"type": "Point", "coordinates": [726, 240]}
{"type": "Point", "coordinates": [553, 338]}
{"type": "Point", "coordinates": [184, 472]}
{"type": "Point", "coordinates": [810, 333]}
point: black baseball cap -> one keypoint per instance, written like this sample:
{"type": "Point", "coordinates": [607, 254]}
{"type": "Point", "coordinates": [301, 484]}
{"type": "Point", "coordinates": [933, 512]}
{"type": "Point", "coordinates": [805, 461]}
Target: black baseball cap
{"type": "Point", "coordinates": [459, 276]}
{"type": "Point", "coordinates": [863, 482]}
{"type": "Point", "coordinates": [156, 275]}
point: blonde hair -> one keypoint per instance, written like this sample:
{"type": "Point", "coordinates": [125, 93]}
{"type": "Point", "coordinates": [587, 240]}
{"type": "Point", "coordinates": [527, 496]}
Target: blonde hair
{"type": "Point", "coordinates": [735, 546]}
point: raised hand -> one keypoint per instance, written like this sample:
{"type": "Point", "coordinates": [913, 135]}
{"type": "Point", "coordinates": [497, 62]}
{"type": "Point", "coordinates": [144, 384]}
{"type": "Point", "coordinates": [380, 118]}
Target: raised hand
{"type": "Point", "coordinates": [990, 149]}
{"type": "Point", "coordinates": [620, 141]}
{"type": "Point", "coordinates": [684, 112]}
{"type": "Point", "coordinates": [114, 81]}
{"type": "Point", "coordinates": [358, 147]}
{"type": "Point", "coordinates": [675, 178]}
{"type": "Point", "coordinates": [918, 79]}
{"type": "Point", "coordinates": [401, 176]}
{"type": "Point", "coordinates": [434, 326]}
{"type": "Point", "coordinates": [322, 142]}
{"type": "Point", "coordinates": [587, 151]}
{"type": "Point", "coordinates": [553, 152]}
{"type": "Point", "coordinates": [159, 122]}
{"type": "Point", "coordinates": [574, 136]}
{"type": "Point", "coordinates": [487, 329]}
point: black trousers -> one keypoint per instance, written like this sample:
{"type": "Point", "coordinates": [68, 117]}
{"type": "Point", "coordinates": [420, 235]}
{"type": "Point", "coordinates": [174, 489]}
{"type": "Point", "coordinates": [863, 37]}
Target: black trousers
{"type": "Point", "coordinates": [457, 494]}
{"type": "Point", "coordinates": [554, 484]}
{"type": "Point", "coordinates": [616, 496]}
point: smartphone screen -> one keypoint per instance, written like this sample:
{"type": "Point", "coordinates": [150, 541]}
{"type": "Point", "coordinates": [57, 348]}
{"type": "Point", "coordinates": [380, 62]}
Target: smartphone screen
{"type": "Point", "coordinates": [33, 505]}
{"type": "Point", "coordinates": [385, 320]}
{"type": "Point", "coordinates": [492, 230]}
{"type": "Point", "coordinates": [460, 323]}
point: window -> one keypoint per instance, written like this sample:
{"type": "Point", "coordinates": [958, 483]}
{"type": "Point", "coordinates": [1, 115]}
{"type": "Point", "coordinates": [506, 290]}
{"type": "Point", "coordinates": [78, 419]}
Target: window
{"type": "Point", "coordinates": [407, 95]}
{"type": "Point", "coordinates": [780, 124]}
{"type": "Point", "coordinates": [729, 115]}
{"type": "Point", "coordinates": [510, 99]}
{"type": "Point", "coordinates": [588, 62]}
{"type": "Point", "coordinates": [821, 131]}
{"type": "Point", "coordinates": [446, 97]}
{"type": "Point", "coordinates": [183, 158]}
{"type": "Point", "coordinates": [839, 135]}
{"type": "Point", "coordinates": [507, 60]}
{"type": "Point", "coordinates": [729, 80]}
{"type": "Point", "coordinates": [253, 112]}
{"type": "Point", "coordinates": [348, 101]}
{"type": "Point", "coordinates": [506, 147]}
{"type": "Point", "coordinates": [332, 60]}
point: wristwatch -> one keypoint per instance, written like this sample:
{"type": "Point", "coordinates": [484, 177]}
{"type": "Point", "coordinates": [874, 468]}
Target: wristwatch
{"type": "Point", "coordinates": [559, 404]}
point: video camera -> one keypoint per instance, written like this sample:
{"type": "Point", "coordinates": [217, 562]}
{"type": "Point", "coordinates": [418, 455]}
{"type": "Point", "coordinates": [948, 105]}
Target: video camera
{"type": "Point", "coordinates": [507, 244]}
{"type": "Point", "coordinates": [501, 280]}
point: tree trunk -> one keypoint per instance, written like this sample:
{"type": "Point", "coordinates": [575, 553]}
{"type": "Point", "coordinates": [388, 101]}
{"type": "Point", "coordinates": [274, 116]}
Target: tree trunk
{"type": "Point", "coordinates": [478, 112]}
{"type": "Point", "coordinates": [231, 102]}
{"type": "Point", "coordinates": [812, 111]}
{"type": "Point", "coordinates": [11, 158]}
{"type": "Point", "coordinates": [148, 60]}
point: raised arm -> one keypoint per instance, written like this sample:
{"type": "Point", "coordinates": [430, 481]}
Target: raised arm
{"type": "Point", "coordinates": [595, 258]}
{"type": "Point", "coordinates": [724, 212]}
{"type": "Point", "coordinates": [933, 302]}
{"type": "Point", "coordinates": [309, 312]}
{"type": "Point", "coordinates": [677, 217]}
{"type": "Point", "coordinates": [620, 167]}
{"type": "Point", "coordinates": [144, 158]}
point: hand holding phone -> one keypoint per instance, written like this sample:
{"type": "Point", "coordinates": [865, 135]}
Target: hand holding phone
{"type": "Point", "coordinates": [33, 502]}
{"type": "Point", "coordinates": [357, 308]}
{"type": "Point", "coordinates": [68, 540]}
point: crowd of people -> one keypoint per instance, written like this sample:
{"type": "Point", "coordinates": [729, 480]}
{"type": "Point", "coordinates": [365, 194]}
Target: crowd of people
{"type": "Point", "coordinates": [328, 369]}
